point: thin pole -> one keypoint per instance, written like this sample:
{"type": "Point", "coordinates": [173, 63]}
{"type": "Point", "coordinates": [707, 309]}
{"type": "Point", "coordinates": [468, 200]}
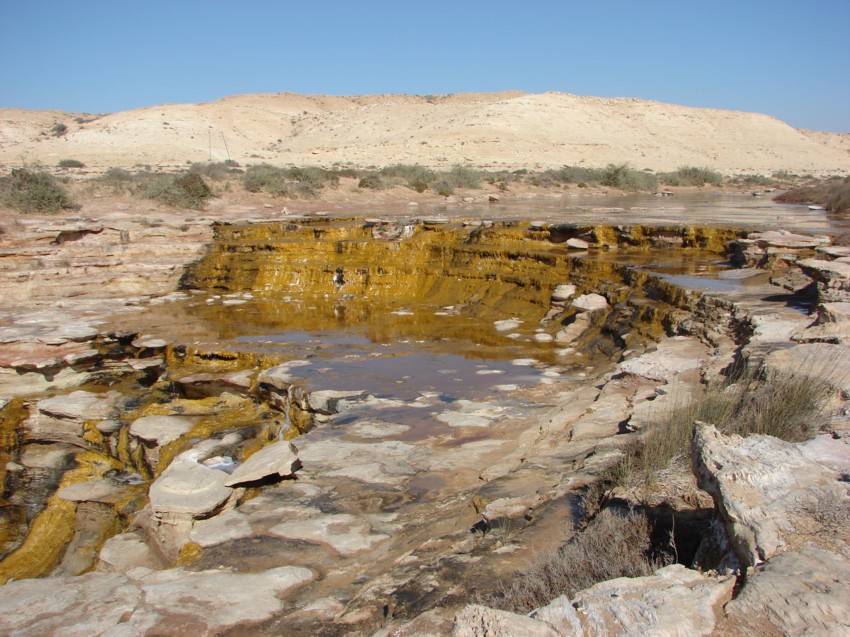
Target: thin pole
{"type": "Point", "coordinates": [225, 145]}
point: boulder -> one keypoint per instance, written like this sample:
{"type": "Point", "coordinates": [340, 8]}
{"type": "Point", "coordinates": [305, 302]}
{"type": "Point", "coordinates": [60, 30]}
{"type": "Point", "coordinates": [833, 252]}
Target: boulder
{"type": "Point", "coordinates": [563, 292]}
{"type": "Point", "coordinates": [187, 488]}
{"type": "Point", "coordinates": [761, 486]}
{"type": "Point", "coordinates": [279, 459]}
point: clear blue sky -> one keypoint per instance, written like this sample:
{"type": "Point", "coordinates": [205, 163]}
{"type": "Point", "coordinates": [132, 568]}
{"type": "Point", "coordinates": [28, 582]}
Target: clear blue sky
{"type": "Point", "coordinates": [790, 59]}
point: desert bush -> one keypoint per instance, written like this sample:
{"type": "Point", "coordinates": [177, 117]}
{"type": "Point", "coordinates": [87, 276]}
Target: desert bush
{"type": "Point", "coordinates": [372, 181]}
{"type": "Point", "coordinates": [215, 170]}
{"type": "Point", "coordinates": [625, 178]}
{"type": "Point", "coordinates": [612, 545]}
{"type": "Point", "coordinates": [188, 190]}
{"type": "Point", "coordinates": [33, 190]}
{"type": "Point", "coordinates": [71, 163]}
{"type": "Point", "coordinates": [265, 177]}
{"type": "Point", "coordinates": [58, 129]}
{"type": "Point", "coordinates": [464, 177]}
{"type": "Point", "coordinates": [692, 176]}
{"type": "Point", "coordinates": [288, 182]}
{"type": "Point", "coordinates": [443, 187]}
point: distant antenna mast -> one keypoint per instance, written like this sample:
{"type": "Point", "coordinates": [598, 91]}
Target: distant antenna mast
{"type": "Point", "coordinates": [225, 145]}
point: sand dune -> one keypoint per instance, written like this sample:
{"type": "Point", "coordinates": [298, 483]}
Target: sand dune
{"type": "Point", "coordinates": [507, 130]}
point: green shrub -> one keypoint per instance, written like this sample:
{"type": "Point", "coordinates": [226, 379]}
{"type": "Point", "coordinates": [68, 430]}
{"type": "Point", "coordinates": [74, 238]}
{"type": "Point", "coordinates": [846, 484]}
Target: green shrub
{"type": "Point", "coordinates": [692, 176]}
{"type": "Point", "coordinates": [59, 129]}
{"type": "Point", "coordinates": [443, 187]}
{"type": "Point", "coordinates": [464, 177]}
{"type": "Point", "coordinates": [188, 190]}
{"type": "Point", "coordinates": [288, 182]}
{"type": "Point", "coordinates": [34, 190]}
{"type": "Point", "coordinates": [71, 163]}
{"type": "Point", "coordinates": [625, 178]}
{"type": "Point", "coordinates": [265, 177]}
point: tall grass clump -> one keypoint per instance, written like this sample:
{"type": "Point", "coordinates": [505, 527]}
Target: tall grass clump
{"type": "Point", "coordinates": [785, 406]}
{"type": "Point", "coordinates": [625, 178]}
{"type": "Point", "coordinates": [612, 545]}
{"type": "Point", "coordinates": [188, 190]}
{"type": "Point", "coordinates": [838, 196]}
{"type": "Point", "coordinates": [692, 176]}
{"type": "Point", "coordinates": [33, 190]}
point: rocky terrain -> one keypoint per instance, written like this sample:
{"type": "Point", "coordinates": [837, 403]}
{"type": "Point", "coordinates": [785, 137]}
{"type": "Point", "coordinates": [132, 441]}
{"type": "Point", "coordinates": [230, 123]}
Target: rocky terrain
{"type": "Point", "coordinates": [159, 476]}
{"type": "Point", "coordinates": [504, 131]}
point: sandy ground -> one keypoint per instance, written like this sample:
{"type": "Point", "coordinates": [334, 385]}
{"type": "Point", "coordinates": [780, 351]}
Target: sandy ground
{"type": "Point", "coordinates": [508, 130]}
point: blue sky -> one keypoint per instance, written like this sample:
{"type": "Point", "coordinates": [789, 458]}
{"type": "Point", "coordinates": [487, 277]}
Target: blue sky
{"type": "Point", "coordinates": [787, 59]}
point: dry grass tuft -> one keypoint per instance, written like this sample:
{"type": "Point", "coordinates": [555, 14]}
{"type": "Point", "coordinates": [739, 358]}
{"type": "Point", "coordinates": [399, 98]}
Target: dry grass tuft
{"type": "Point", "coordinates": [613, 545]}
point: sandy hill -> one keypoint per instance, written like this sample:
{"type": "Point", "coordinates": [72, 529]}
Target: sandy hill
{"type": "Point", "coordinates": [494, 130]}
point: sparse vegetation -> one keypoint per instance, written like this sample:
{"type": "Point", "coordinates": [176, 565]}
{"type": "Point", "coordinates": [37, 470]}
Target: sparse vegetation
{"type": "Point", "coordinates": [692, 176]}
{"type": "Point", "coordinates": [304, 182]}
{"type": "Point", "coordinates": [58, 129]}
{"type": "Point", "coordinates": [217, 171]}
{"type": "Point", "coordinates": [33, 190]}
{"type": "Point", "coordinates": [612, 545]}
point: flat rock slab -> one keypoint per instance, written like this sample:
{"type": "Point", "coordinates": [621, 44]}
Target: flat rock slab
{"type": "Point", "coordinates": [279, 459]}
{"type": "Point", "coordinates": [825, 362]}
{"type": "Point", "coordinates": [804, 592]}
{"type": "Point", "coordinates": [346, 534]}
{"type": "Point", "coordinates": [160, 430]}
{"type": "Point", "coordinates": [104, 490]}
{"type": "Point", "coordinates": [189, 488]}
{"type": "Point", "coordinates": [387, 462]}
{"type": "Point", "coordinates": [673, 356]}
{"type": "Point", "coordinates": [673, 601]}
{"type": "Point", "coordinates": [563, 292]}
{"type": "Point", "coordinates": [80, 405]}
{"type": "Point", "coordinates": [145, 602]}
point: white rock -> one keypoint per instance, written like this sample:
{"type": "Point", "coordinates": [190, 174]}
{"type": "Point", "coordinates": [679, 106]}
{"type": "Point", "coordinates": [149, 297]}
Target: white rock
{"type": "Point", "coordinates": [590, 303]}
{"type": "Point", "coordinates": [564, 292]}
{"type": "Point", "coordinates": [577, 244]}
{"type": "Point", "coordinates": [278, 459]}
{"type": "Point", "coordinates": [344, 533]}
{"type": "Point", "coordinates": [189, 488]}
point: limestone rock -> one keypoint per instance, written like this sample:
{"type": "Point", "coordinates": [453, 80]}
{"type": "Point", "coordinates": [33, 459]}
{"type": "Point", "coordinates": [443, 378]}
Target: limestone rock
{"type": "Point", "coordinates": [672, 357]}
{"type": "Point", "coordinates": [79, 405]}
{"type": "Point", "coordinates": [563, 292]}
{"type": "Point", "coordinates": [189, 488]}
{"type": "Point", "coordinates": [92, 491]}
{"type": "Point", "coordinates": [825, 362]}
{"type": "Point", "coordinates": [590, 303]}
{"type": "Point", "coordinates": [479, 621]}
{"type": "Point", "coordinates": [673, 601]}
{"type": "Point", "coordinates": [160, 430]}
{"type": "Point", "coordinates": [278, 459]}
{"type": "Point", "coordinates": [832, 278]}
{"type": "Point", "coordinates": [575, 330]}
{"type": "Point", "coordinates": [804, 592]}
{"type": "Point", "coordinates": [145, 602]}
{"type": "Point", "coordinates": [330, 401]}
{"type": "Point", "coordinates": [577, 244]}
{"type": "Point", "coordinates": [759, 485]}
{"type": "Point", "coordinates": [346, 534]}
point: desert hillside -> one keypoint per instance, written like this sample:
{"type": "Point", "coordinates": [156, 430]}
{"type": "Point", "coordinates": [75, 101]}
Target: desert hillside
{"type": "Point", "coordinates": [497, 130]}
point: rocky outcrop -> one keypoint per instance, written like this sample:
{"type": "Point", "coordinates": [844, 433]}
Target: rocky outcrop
{"type": "Point", "coordinates": [832, 279]}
